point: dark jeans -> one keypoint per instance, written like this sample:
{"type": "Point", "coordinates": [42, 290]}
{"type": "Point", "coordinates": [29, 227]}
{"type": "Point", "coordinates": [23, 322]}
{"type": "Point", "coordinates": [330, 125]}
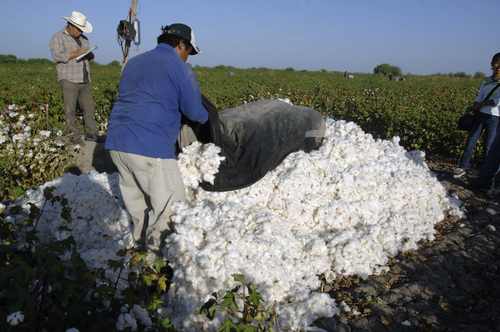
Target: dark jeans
{"type": "Point", "coordinates": [491, 165]}
{"type": "Point", "coordinates": [481, 121]}
{"type": "Point", "coordinates": [73, 92]}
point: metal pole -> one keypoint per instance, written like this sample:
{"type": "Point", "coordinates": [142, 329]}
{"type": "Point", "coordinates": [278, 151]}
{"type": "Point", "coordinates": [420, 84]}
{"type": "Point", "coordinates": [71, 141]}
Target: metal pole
{"type": "Point", "coordinates": [133, 12]}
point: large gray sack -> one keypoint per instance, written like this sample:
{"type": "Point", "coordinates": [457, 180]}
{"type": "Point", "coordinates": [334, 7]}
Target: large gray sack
{"type": "Point", "coordinates": [256, 137]}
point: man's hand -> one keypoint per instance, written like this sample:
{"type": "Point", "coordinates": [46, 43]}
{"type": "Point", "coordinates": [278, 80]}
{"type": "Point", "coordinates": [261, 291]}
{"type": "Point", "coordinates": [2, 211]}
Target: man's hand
{"type": "Point", "coordinates": [77, 53]}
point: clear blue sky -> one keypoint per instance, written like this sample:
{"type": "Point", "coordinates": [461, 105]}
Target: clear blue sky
{"type": "Point", "coordinates": [421, 37]}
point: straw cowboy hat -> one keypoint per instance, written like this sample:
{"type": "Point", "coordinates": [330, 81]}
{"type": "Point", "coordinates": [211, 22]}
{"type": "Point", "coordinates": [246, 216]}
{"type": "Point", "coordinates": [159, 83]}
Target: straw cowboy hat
{"type": "Point", "coordinates": [80, 21]}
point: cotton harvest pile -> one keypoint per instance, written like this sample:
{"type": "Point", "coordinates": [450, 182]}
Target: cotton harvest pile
{"type": "Point", "coordinates": [343, 209]}
{"type": "Point", "coordinates": [340, 210]}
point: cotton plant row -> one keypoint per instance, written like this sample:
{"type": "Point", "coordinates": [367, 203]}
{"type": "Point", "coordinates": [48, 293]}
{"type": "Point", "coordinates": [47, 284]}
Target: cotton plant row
{"type": "Point", "coordinates": [15, 137]}
{"type": "Point", "coordinates": [340, 210]}
{"type": "Point", "coordinates": [29, 154]}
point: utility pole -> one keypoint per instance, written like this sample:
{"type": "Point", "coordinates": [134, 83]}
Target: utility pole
{"type": "Point", "coordinates": [133, 12]}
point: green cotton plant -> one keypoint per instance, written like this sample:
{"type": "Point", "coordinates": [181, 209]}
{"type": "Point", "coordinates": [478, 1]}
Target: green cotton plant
{"type": "Point", "coordinates": [30, 155]}
{"type": "Point", "coordinates": [33, 147]}
{"type": "Point", "coordinates": [252, 317]}
{"type": "Point", "coordinates": [47, 286]}
{"type": "Point", "coordinates": [422, 110]}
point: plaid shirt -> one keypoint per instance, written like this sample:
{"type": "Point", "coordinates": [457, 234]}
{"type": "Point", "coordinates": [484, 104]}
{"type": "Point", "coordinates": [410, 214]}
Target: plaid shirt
{"type": "Point", "coordinates": [61, 45]}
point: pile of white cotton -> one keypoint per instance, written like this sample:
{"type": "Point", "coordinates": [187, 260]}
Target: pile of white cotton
{"type": "Point", "coordinates": [343, 209]}
{"type": "Point", "coordinates": [340, 210]}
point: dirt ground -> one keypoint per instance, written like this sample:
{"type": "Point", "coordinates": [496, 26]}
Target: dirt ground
{"type": "Point", "coordinates": [94, 156]}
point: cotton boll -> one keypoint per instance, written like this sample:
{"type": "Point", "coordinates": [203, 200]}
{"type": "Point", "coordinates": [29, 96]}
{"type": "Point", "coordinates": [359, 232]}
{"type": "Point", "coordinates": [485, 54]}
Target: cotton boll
{"type": "Point", "coordinates": [15, 318]}
{"type": "Point", "coordinates": [142, 316]}
{"type": "Point", "coordinates": [126, 320]}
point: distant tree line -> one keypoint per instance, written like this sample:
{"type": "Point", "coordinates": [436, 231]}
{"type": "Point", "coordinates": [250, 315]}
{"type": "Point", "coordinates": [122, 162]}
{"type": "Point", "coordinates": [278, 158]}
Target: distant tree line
{"type": "Point", "coordinates": [478, 74]}
{"type": "Point", "coordinates": [230, 68]}
{"type": "Point", "coordinates": [11, 58]}
{"type": "Point", "coordinates": [384, 69]}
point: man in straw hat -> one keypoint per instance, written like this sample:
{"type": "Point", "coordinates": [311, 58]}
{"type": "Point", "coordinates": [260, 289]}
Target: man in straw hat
{"type": "Point", "coordinates": [74, 75]}
{"type": "Point", "coordinates": [156, 89]}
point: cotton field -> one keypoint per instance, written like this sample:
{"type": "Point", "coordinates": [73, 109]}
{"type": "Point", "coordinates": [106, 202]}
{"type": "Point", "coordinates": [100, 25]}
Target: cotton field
{"type": "Point", "coordinates": [340, 210]}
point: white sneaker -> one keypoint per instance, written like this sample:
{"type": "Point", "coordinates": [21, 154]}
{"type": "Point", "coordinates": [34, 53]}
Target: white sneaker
{"type": "Point", "coordinates": [459, 172]}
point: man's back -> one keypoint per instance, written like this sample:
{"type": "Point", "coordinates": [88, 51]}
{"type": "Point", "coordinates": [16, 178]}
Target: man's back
{"type": "Point", "coordinates": [154, 87]}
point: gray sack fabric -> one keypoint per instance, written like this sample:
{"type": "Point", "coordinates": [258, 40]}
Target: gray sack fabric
{"type": "Point", "coordinates": [256, 137]}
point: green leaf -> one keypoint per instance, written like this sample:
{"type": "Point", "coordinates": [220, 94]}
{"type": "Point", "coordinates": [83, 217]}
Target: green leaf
{"type": "Point", "coordinates": [15, 209]}
{"type": "Point", "coordinates": [47, 192]}
{"type": "Point", "coordinates": [66, 214]}
{"type": "Point", "coordinates": [79, 265]}
{"type": "Point", "coordinates": [154, 302]}
{"type": "Point", "coordinates": [115, 265]}
{"type": "Point", "coordinates": [5, 233]}
{"type": "Point", "coordinates": [247, 328]}
{"type": "Point", "coordinates": [146, 279]}
{"type": "Point", "coordinates": [105, 291]}
{"type": "Point", "coordinates": [228, 326]}
{"type": "Point", "coordinates": [162, 286]}
{"type": "Point", "coordinates": [230, 302]}
{"type": "Point", "coordinates": [31, 237]}
{"type": "Point", "coordinates": [159, 263]}
{"type": "Point", "coordinates": [121, 253]}
{"type": "Point", "coordinates": [208, 309]}
{"type": "Point", "coordinates": [239, 278]}
{"type": "Point", "coordinates": [35, 213]}
{"type": "Point", "coordinates": [254, 296]}
{"type": "Point", "coordinates": [129, 297]}
{"type": "Point", "coordinates": [166, 323]}
{"type": "Point", "coordinates": [64, 202]}
{"type": "Point", "coordinates": [17, 269]}
{"type": "Point", "coordinates": [16, 192]}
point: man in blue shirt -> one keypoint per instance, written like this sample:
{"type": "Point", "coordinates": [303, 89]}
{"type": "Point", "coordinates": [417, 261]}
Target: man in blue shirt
{"type": "Point", "coordinates": [155, 89]}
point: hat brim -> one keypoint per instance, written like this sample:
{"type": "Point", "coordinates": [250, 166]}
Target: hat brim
{"type": "Point", "coordinates": [195, 50]}
{"type": "Point", "coordinates": [87, 28]}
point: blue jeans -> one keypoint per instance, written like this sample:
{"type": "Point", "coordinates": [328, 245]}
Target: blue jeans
{"type": "Point", "coordinates": [491, 165]}
{"type": "Point", "coordinates": [481, 121]}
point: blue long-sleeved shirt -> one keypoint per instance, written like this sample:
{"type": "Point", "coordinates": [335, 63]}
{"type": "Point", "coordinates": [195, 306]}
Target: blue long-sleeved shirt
{"type": "Point", "coordinates": [155, 87]}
